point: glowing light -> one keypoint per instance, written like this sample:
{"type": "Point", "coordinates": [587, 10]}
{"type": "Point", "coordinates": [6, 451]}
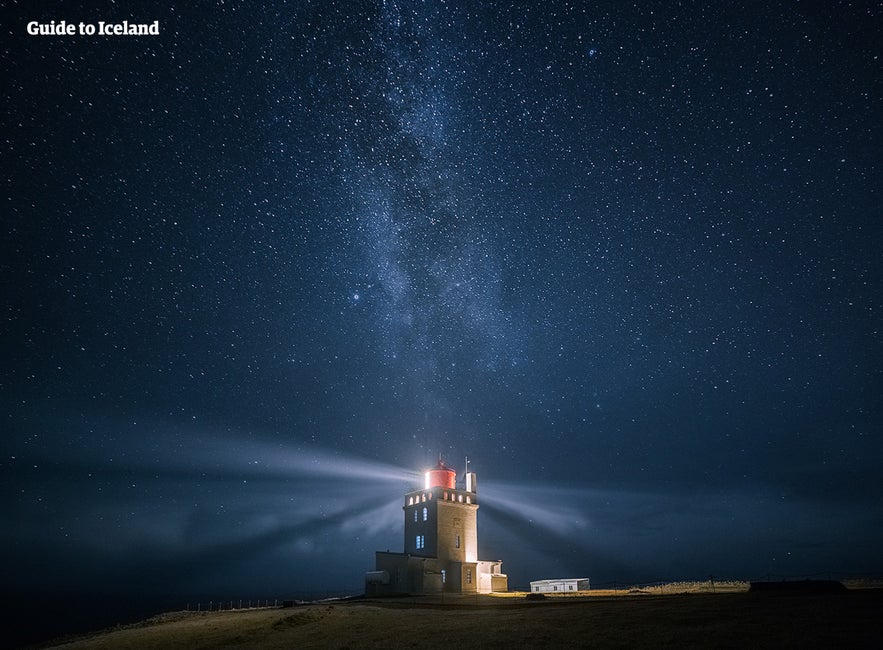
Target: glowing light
{"type": "Point", "coordinates": [553, 508]}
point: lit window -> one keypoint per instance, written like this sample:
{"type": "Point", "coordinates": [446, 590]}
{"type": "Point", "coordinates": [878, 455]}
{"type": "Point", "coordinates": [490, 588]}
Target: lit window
{"type": "Point", "coordinates": [468, 499]}
{"type": "Point", "coordinates": [443, 575]}
{"type": "Point", "coordinates": [469, 576]}
{"type": "Point", "coordinates": [460, 498]}
{"type": "Point", "coordinates": [415, 514]}
{"type": "Point", "coordinates": [421, 541]}
{"type": "Point", "coordinates": [425, 514]}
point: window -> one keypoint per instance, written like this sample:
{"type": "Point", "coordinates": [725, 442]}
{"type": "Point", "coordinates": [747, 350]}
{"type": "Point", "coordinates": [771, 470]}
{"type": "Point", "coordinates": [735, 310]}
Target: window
{"type": "Point", "coordinates": [468, 576]}
{"type": "Point", "coordinates": [570, 587]}
{"type": "Point", "coordinates": [415, 514]}
{"type": "Point", "coordinates": [458, 542]}
{"type": "Point", "coordinates": [555, 587]}
{"type": "Point", "coordinates": [536, 588]}
{"type": "Point", "coordinates": [425, 514]}
{"type": "Point", "coordinates": [421, 541]}
{"type": "Point", "coordinates": [468, 499]}
{"type": "Point", "coordinates": [443, 576]}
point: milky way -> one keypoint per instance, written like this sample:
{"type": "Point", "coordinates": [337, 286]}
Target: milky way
{"type": "Point", "coordinates": [261, 269]}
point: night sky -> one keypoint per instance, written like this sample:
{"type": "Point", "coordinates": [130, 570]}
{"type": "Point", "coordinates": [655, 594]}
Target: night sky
{"type": "Point", "coordinates": [260, 270]}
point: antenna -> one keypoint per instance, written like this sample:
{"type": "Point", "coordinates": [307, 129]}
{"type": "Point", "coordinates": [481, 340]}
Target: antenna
{"type": "Point", "coordinates": [470, 478]}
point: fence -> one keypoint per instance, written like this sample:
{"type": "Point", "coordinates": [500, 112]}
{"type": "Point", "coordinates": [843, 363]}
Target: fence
{"type": "Point", "coordinates": [708, 584]}
{"type": "Point", "coordinates": [236, 604]}
{"type": "Point", "coordinates": [718, 584]}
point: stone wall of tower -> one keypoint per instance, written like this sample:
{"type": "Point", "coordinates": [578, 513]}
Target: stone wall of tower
{"type": "Point", "coordinates": [457, 531]}
{"type": "Point", "coordinates": [418, 524]}
{"type": "Point", "coordinates": [441, 523]}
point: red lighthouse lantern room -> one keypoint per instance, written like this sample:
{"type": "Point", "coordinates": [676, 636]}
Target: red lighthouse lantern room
{"type": "Point", "coordinates": [441, 476]}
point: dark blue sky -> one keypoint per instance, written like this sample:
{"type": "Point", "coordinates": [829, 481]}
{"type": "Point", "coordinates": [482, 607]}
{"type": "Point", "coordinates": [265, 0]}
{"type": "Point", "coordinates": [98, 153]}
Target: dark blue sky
{"type": "Point", "coordinates": [260, 270]}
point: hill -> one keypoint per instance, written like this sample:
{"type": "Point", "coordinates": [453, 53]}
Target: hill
{"type": "Point", "coordinates": [640, 621]}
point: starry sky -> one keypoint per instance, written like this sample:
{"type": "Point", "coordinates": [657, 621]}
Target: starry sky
{"type": "Point", "coordinates": [260, 270]}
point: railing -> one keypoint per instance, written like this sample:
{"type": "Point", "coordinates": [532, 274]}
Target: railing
{"type": "Point", "coordinates": [718, 584]}
{"type": "Point", "coordinates": [237, 604]}
{"type": "Point", "coordinates": [230, 605]}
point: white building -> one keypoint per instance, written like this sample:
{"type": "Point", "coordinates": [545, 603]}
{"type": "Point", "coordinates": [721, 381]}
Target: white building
{"type": "Point", "coordinates": [560, 586]}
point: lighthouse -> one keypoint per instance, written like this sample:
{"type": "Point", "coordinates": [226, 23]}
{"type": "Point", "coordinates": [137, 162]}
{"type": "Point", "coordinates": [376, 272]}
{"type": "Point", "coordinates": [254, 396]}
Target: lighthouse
{"type": "Point", "coordinates": [441, 543]}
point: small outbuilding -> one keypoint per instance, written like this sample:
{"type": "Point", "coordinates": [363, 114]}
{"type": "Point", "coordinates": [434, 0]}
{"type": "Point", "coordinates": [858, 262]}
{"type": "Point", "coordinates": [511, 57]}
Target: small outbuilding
{"type": "Point", "coordinates": [559, 586]}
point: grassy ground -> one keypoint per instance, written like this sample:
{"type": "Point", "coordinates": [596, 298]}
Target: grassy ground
{"type": "Point", "coordinates": [721, 620]}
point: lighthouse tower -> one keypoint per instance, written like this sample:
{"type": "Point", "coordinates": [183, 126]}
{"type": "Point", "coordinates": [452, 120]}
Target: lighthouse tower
{"type": "Point", "coordinates": [441, 543]}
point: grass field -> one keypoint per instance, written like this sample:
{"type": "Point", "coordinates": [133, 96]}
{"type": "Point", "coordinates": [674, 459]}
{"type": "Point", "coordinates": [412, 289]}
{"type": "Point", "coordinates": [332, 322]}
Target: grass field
{"type": "Point", "coordinates": [734, 619]}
